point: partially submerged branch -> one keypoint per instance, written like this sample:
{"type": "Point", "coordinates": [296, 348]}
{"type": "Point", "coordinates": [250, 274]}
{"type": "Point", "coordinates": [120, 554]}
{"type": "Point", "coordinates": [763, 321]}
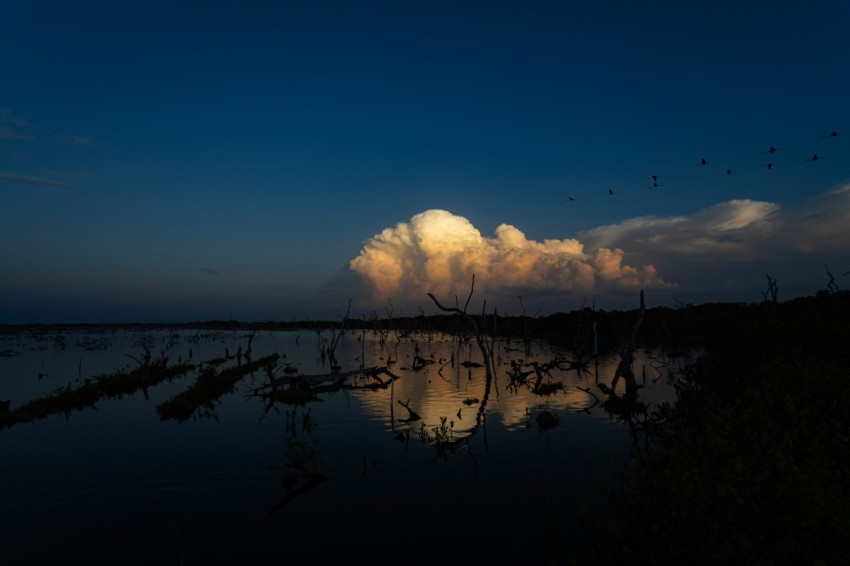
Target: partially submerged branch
{"type": "Point", "coordinates": [412, 415]}
{"type": "Point", "coordinates": [486, 349]}
{"type": "Point", "coordinates": [208, 387]}
{"type": "Point", "coordinates": [338, 378]}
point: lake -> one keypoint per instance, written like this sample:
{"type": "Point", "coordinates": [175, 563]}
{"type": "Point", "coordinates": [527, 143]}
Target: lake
{"type": "Point", "coordinates": [434, 464]}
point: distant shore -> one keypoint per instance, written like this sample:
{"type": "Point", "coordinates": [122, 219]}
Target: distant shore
{"type": "Point", "coordinates": [678, 328]}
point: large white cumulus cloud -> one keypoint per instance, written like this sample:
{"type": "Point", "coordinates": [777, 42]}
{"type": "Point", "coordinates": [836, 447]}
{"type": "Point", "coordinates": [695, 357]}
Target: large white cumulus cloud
{"type": "Point", "coordinates": [718, 253]}
{"type": "Point", "coordinates": [438, 252]}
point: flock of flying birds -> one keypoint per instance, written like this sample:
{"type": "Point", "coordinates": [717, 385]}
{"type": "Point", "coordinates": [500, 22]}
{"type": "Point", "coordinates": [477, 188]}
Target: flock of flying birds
{"type": "Point", "coordinates": [703, 161]}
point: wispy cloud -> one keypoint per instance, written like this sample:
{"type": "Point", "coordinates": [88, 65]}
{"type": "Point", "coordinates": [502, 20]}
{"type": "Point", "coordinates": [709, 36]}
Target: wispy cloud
{"type": "Point", "coordinates": [10, 134]}
{"type": "Point", "coordinates": [29, 180]}
{"type": "Point", "coordinates": [726, 231]}
{"type": "Point", "coordinates": [12, 130]}
{"type": "Point", "coordinates": [75, 140]}
{"type": "Point", "coordinates": [738, 230]}
{"type": "Point", "coordinates": [15, 128]}
{"type": "Point", "coordinates": [732, 245]}
{"type": "Point", "coordinates": [7, 117]}
{"type": "Point", "coordinates": [209, 270]}
{"type": "Point", "coordinates": [820, 224]}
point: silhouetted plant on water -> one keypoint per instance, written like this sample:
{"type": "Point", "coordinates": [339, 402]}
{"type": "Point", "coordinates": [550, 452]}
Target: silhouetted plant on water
{"type": "Point", "coordinates": [380, 329]}
{"type": "Point", "coordinates": [547, 389]}
{"type": "Point", "coordinates": [517, 376]}
{"type": "Point", "coordinates": [543, 384]}
{"type": "Point", "coordinates": [526, 328]}
{"type": "Point", "coordinates": [547, 419]}
{"type": "Point", "coordinates": [336, 336]}
{"type": "Point", "coordinates": [441, 437]}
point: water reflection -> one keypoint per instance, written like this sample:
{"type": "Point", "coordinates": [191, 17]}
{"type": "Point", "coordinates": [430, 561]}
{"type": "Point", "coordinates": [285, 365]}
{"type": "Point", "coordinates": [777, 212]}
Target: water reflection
{"type": "Point", "coordinates": [525, 380]}
{"type": "Point", "coordinates": [404, 380]}
{"type": "Point", "coordinates": [406, 421]}
{"type": "Point", "coordinates": [302, 467]}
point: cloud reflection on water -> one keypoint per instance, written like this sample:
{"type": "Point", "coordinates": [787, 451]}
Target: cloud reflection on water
{"type": "Point", "coordinates": [440, 389]}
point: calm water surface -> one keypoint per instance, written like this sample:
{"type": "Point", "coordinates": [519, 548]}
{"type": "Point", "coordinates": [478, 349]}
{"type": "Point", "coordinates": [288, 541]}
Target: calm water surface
{"type": "Point", "coordinates": [238, 483]}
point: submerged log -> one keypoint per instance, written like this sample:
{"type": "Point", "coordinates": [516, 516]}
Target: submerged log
{"type": "Point", "coordinates": [337, 379]}
{"type": "Point", "coordinates": [208, 388]}
{"type": "Point", "coordinates": [68, 399]}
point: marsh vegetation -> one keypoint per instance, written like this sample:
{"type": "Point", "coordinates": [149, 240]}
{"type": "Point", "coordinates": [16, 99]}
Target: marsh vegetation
{"type": "Point", "coordinates": [748, 465]}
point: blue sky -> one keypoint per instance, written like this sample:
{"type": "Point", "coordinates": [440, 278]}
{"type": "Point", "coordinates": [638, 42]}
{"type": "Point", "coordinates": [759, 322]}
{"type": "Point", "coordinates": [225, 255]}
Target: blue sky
{"type": "Point", "coordinates": [170, 161]}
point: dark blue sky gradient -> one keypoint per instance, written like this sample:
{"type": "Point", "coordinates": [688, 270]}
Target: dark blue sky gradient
{"type": "Point", "coordinates": [164, 161]}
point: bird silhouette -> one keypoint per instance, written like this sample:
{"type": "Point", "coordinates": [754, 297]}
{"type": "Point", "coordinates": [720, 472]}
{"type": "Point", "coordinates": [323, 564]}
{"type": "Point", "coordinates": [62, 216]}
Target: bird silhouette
{"type": "Point", "coordinates": [654, 185]}
{"type": "Point", "coordinates": [610, 192]}
{"type": "Point", "coordinates": [815, 157]}
{"type": "Point", "coordinates": [571, 198]}
{"type": "Point", "coordinates": [771, 150]}
{"type": "Point", "coordinates": [654, 178]}
{"type": "Point", "coordinates": [768, 165]}
{"type": "Point", "coordinates": [702, 161]}
{"type": "Point", "coordinates": [832, 134]}
{"type": "Point", "coordinates": [727, 172]}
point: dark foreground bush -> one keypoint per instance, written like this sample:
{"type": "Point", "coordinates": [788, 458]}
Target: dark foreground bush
{"type": "Point", "coordinates": [751, 464]}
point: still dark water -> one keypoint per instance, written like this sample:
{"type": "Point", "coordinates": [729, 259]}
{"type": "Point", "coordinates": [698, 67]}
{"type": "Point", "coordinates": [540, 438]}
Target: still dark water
{"type": "Point", "coordinates": [119, 485]}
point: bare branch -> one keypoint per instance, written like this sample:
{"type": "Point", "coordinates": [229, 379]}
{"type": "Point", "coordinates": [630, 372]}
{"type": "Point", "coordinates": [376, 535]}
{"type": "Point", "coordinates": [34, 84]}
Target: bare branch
{"type": "Point", "coordinates": [471, 288]}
